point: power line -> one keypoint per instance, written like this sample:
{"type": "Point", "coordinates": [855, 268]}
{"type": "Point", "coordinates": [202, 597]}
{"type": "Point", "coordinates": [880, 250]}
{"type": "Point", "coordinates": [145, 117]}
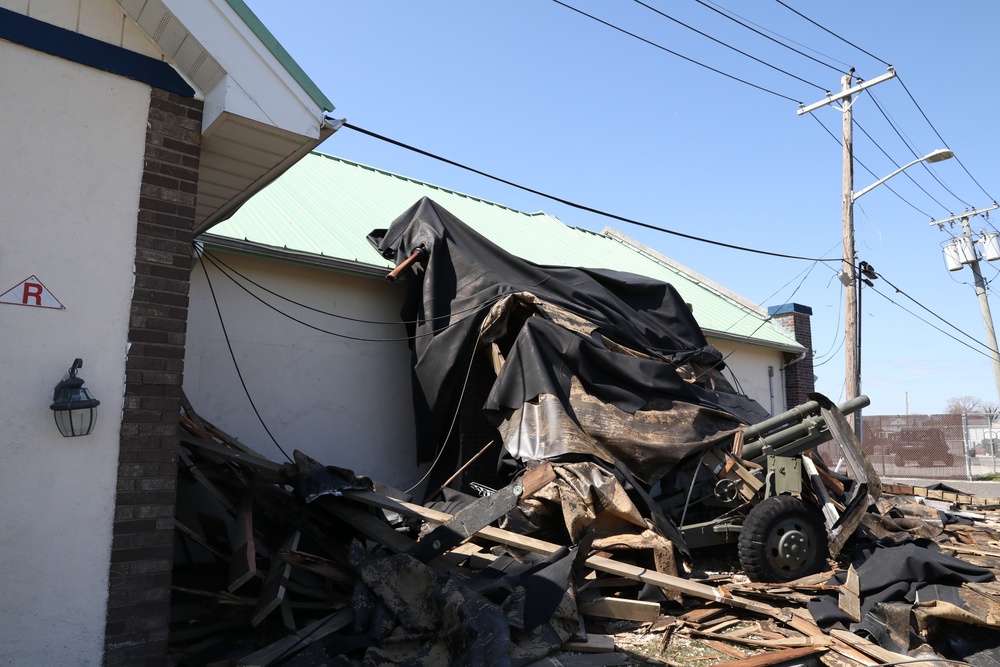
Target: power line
{"type": "Point", "coordinates": [936, 316]}
{"type": "Point", "coordinates": [484, 306]}
{"type": "Point", "coordinates": [896, 164]}
{"type": "Point", "coordinates": [778, 42]}
{"type": "Point", "coordinates": [728, 13]}
{"type": "Point", "coordinates": [582, 207]}
{"type": "Point", "coordinates": [674, 53]}
{"type": "Point", "coordinates": [730, 46]}
{"type": "Point", "coordinates": [941, 139]}
{"type": "Point", "coordinates": [961, 342]}
{"type": "Point", "coordinates": [218, 260]}
{"type": "Point", "coordinates": [239, 374]}
{"type": "Point", "coordinates": [872, 173]}
{"type": "Point", "coordinates": [913, 151]}
{"type": "Point", "coordinates": [832, 33]}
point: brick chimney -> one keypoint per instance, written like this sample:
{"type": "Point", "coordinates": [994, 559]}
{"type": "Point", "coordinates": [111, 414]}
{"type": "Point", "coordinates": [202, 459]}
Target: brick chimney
{"type": "Point", "coordinates": [796, 319]}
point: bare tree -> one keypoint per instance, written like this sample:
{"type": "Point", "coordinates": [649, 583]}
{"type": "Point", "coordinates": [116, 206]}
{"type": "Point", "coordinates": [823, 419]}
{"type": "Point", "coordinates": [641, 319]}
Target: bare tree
{"type": "Point", "coordinates": [958, 405]}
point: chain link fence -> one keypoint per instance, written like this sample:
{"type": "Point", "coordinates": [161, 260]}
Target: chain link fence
{"type": "Point", "coordinates": [931, 447]}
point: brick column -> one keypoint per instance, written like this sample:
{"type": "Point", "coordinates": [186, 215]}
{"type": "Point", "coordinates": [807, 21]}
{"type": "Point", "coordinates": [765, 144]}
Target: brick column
{"type": "Point", "coordinates": [799, 378]}
{"type": "Point", "coordinates": [138, 612]}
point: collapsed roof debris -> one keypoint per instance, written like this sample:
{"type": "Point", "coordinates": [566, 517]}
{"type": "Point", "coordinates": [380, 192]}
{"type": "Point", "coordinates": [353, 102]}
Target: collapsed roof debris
{"type": "Point", "coordinates": [625, 453]}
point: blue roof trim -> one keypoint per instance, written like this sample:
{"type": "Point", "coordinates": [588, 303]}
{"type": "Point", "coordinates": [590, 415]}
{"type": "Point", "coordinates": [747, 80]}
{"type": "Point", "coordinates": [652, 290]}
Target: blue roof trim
{"type": "Point", "coordinates": [91, 52]}
{"type": "Point", "coordinates": [789, 308]}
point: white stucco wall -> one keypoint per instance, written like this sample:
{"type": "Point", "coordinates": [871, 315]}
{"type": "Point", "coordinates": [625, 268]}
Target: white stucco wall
{"type": "Point", "coordinates": [71, 147]}
{"type": "Point", "coordinates": [343, 402]}
{"type": "Point", "coordinates": [750, 365]}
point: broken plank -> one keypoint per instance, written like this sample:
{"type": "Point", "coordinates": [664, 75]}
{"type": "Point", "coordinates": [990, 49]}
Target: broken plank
{"type": "Point", "coordinates": [603, 564]}
{"type": "Point", "coordinates": [776, 657]}
{"type": "Point", "coordinates": [594, 644]}
{"type": "Point", "coordinates": [621, 608]}
{"type": "Point", "coordinates": [243, 566]}
{"type": "Point", "coordinates": [583, 660]}
{"type": "Point", "coordinates": [849, 600]}
{"type": "Point", "coordinates": [875, 651]}
{"type": "Point", "coordinates": [273, 592]}
{"type": "Point", "coordinates": [295, 642]}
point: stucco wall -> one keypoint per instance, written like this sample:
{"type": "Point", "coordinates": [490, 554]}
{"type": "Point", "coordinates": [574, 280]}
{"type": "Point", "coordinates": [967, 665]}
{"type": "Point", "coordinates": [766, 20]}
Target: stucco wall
{"type": "Point", "coordinates": [72, 143]}
{"type": "Point", "coordinates": [750, 366]}
{"type": "Point", "coordinates": [342, 401]}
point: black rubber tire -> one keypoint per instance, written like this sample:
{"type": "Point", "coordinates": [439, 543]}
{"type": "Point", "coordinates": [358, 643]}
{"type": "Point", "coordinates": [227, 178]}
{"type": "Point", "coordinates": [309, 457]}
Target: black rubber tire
{"type": "Point", "coordinates": [782, 539]}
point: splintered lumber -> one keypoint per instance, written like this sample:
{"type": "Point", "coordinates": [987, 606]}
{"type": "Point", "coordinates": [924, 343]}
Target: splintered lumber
{"type": "Point", "coordinates": [295, 642]}
{"type": "Point", "coordinates": [876, 652]}
{"type": "Point", "coordinates": [600, 563]}
{"type": "Point", "coordinates": [621, 608]}
{"type": "Point", "coordinates": [273, 592]}
{"type": "Point", "coordinates": [594, 644]}
{"type": "Point", "coordinates": [849, 600]}
{"type": "Point", "coordinates": [938, 494]}
{"type": "Point", "coordinates": [243, 566]}
{"type": "Point", "coordinates": [776, 657]}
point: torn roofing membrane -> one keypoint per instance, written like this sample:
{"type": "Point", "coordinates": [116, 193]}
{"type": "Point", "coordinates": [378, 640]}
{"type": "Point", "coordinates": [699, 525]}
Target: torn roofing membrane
{"type": "Point", "coordinates": [601, 344]}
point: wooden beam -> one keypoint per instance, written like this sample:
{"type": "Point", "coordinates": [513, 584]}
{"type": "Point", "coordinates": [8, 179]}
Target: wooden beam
{"type": "Point", "coordinates": [621, 608]}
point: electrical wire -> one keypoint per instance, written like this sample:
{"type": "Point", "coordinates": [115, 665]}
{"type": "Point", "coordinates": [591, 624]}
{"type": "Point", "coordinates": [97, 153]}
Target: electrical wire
{"type": "Point", "coordinates": [674, 53]}
{"type": "Point", "coordinates": [941, 139]}
{"type": "Point", "coordinates": [236, 365]}
{"type": "Point", "coordinates": [961, 342]}
{"type": "Point", "coordinates": [832, 33]}
{"type": "Point", "coordinates": [871, 173]}
{"type": "Point", "coordinates": [730, 13]}
{"type": "Point", "coordinates": [913, 151]}
{"type": "Point", "coordinates": [730, 46]}
{"type": "Point", "coordinates": [805, 55]}
{"type": "Point", "coordinates": [481, 307]}
{"type": "Point", "coordinates": [897, 166]}
{"type": "Point", "coordinates": [582, 207]}
{"type": "Point", "coordinates": [922, 306]}
{"type": "Point", "coordinates": [454, 417]}
{"type": "Point", "coordinates": [215, 258]}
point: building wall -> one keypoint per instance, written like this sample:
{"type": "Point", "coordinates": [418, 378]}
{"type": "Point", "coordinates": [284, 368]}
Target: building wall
{"type": "Point", "coordinates": [326, 386]}
{"type": "Point", "coordinates": [759, 372]}
{"type": "Point", "coordinates": [72, 141]}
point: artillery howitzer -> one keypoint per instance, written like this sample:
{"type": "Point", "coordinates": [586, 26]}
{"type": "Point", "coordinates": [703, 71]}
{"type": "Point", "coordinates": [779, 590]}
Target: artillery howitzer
{"type": "Point", "coordinates": [768, 491]}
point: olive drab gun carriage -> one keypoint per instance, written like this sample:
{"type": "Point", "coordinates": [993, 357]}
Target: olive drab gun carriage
{"type": "Point", "coordinates": [771, 493]}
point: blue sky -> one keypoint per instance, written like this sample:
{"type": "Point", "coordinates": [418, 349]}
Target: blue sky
{"type": "Point", "coordinates": [538, 94]}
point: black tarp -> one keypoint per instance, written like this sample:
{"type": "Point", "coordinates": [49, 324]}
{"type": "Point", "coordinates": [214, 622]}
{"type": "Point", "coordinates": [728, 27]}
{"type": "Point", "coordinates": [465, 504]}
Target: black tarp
{"type": "Point", "coordinates": [628, 341]}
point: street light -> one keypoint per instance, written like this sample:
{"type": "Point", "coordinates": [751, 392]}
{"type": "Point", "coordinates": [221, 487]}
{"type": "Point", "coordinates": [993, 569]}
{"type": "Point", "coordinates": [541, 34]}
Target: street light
{"type": "Point", "coordinates": [852, 355]}
{"type": "Point", "coordinates": [939, 155]}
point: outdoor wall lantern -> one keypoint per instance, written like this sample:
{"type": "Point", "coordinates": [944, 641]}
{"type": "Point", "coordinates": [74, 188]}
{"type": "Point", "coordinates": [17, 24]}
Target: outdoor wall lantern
{"type": "Point", "coordinates": [72, 406]}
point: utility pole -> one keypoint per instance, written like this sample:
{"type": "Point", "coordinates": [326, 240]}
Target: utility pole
{"type": "Point", "coordinates": [984, 304]}
{"type": "Point", "coordinates": [847, 276]}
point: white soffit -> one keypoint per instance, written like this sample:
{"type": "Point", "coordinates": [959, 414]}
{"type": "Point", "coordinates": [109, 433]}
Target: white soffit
{"type": "Point", "coordinates": [258, 117]}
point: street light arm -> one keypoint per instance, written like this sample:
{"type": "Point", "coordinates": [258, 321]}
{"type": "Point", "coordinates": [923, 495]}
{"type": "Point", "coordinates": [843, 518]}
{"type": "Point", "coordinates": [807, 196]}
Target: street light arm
{"type": "Point", "coordinates": [936, 156]}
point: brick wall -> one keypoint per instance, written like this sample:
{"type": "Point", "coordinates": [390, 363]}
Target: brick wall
{"type": "Point", "coordinates": [799, 377]}
{"type": "Point", "coordinates": [142, 547]}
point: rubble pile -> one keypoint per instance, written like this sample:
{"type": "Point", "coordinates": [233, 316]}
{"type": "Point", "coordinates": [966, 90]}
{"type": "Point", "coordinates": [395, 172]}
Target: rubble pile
{"type": "Point", "coordinates": [305, 564]}
{"type": "Point", "coordinates": [627, 465]}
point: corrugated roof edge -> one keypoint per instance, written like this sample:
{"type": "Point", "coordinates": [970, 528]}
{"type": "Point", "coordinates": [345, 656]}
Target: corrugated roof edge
{"type": "Point", "coordinates": [279, 52]}
{"type": "Point", "coordinates": [541, 214]}
{"type": "Point", "coordinates": [686, 271]}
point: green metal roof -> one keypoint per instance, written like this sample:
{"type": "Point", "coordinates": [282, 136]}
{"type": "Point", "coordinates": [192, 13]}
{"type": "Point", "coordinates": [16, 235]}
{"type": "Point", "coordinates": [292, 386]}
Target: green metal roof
{"type": "Point", "coordinates": [325, 206]}
{"type": "Point", "coordinates": [279, 52]}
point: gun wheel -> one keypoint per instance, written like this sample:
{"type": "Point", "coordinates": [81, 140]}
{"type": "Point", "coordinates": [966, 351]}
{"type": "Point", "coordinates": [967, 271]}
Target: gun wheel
{"type": "Point", "coordinates": [782, 539]}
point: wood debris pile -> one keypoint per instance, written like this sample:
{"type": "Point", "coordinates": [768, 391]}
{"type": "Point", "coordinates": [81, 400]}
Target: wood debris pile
{"type": "Point", "coordinates": [305, 564]}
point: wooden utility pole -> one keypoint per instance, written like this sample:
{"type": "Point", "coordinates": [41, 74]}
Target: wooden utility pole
{"type": "Point", "coordinates": [851, 374]}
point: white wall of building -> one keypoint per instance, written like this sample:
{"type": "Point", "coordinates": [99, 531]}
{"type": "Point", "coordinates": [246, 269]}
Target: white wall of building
{"type": "Point", "coordinates": [759, 371]}
{"type": "Point", "coordinates": [342, 401]}
{"type": "Point", "coordinates": [72, 141]}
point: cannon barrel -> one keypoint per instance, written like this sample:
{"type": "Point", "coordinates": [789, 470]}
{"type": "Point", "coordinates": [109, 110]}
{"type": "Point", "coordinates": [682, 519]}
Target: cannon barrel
{"type": "Point", "coordinates": [808, 423]}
